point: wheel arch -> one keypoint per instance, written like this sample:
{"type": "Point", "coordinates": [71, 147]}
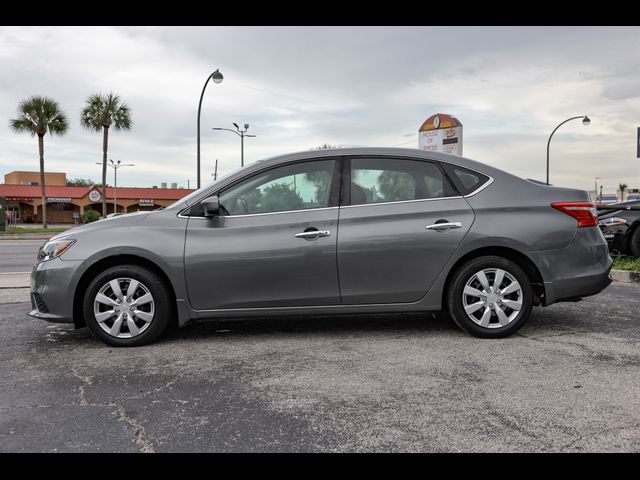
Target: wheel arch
{"type": "Point", "coordinates": [112, 261]}
{"type": "Point", "coordinates": [524, 262]}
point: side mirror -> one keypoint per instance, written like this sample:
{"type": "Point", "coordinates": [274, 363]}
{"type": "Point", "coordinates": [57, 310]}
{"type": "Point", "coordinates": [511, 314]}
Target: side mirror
{"type": "Point", "coordinates": [211, 206]}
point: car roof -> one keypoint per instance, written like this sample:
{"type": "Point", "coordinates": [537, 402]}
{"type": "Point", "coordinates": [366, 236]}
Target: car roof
{"type": "Point", "coordinates": [381, 151]}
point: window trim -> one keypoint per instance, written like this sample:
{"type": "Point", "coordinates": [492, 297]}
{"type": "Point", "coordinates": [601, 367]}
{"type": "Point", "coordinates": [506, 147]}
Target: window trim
{"type": "Point", "coordinates": [333, 194]}
{"type": "Point", "coordinates": [345, 198]}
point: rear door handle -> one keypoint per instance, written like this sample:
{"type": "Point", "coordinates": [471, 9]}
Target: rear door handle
{"type": "Point", "coordinates": [444, 226]}
{"type": "Point", "coordinates": [312, 234]}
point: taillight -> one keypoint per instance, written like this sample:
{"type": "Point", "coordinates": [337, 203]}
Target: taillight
{"type": "Point", "coordinates": [584, 212]}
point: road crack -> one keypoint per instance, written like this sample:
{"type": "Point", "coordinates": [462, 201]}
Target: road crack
{"type": "Point", "coordinates": [87, 381]}
{"type": "Point", "coordinates": [139, 433]}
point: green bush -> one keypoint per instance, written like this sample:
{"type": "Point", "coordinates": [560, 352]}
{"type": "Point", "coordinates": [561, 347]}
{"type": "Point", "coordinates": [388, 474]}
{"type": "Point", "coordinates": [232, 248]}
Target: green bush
{"type": "Point", "coordinates": [90, 216]}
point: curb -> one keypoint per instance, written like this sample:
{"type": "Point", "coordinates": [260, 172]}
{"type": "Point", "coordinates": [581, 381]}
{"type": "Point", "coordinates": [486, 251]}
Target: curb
{"type": "Point", "coordinates": [625, 276]}
{"type": "Point", "coordinates": [27, 236]}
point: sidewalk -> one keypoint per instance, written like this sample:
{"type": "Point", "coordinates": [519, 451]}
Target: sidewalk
{"type": "Point", "coordinates": [14, 280]}
{"type": "Point", "coordinates": [14, 288]}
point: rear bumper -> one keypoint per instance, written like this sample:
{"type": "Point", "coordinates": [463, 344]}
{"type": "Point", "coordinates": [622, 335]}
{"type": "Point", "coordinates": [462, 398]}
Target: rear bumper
{"type": "Point", "coordinates": [580, 270]}
{"type": "Point", "coordinates": [576, 288]}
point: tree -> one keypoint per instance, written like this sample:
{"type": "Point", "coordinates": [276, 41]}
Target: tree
{"type": "Point", "coordinates": [80, 182]}
{"type": "Point", "coordinates": [326, 146]}
{"type": "Point", "coordinates": [396, 186]}
{"type": "Point", "coordinates": [101, 113]}
{"type": "Point", "coordinates": [623, 188]}
{"type": "Point", "coordinates": [36, 116]}
{"type": "Point", "coordinates": [280, 197]}
{"type": "Point", "coordinates": [90, 216]}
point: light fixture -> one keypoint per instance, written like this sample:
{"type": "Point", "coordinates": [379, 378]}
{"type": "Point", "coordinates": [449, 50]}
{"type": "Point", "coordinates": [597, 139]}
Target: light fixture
{"type": "Point", "coordinates": [217, 77]}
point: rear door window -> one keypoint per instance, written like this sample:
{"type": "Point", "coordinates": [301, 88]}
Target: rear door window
{"type": "Point", "coordinates": [383, 180]}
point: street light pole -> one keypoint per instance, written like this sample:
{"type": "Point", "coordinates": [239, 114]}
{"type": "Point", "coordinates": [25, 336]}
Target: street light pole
{"type": "Point", "coordinates": [217, 78]}
{"type": "Point", "coordinates": [116, 166]}
{"type": "Point", "coordinates": [595, 198]}
{"type": "Point", "coordinates": [585, 121]}
{"type": "Point", "coordinates": [241, 133]}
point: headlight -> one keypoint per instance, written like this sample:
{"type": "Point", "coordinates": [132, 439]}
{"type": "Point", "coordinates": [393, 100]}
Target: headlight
{"type": "Point", "coordinates": [612, 222]}
{"type": "Point", "coordinates": [54, 249]}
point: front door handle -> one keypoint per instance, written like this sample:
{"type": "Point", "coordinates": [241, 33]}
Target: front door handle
{"type": "Point", "coordinates": [444, 226]}
{"type": "Point", "coordinates": [313, 234]}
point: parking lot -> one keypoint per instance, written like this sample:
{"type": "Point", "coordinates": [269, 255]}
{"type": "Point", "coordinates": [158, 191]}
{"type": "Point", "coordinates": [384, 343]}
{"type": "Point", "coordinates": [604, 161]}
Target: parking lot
{"type": "Point", "coordinates": [568, 381]}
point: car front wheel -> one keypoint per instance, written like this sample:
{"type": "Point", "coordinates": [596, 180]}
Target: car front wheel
{"type": "Point", "coordinates": [490, 297]}
{"type": "Point", "coordinates": [127, 305]}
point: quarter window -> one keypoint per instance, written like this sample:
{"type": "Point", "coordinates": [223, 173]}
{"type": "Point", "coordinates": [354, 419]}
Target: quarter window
{"type": "Point", "coordinates": [293, 187]}
{"type": "Point", "coordinates": [467, 181]}
{"type": "Point", "coordinates": [380, 180]}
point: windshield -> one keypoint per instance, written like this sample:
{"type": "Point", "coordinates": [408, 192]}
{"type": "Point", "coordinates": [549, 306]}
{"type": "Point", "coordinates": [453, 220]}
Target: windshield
{"type": "Point", "coordinates": [189, 198]}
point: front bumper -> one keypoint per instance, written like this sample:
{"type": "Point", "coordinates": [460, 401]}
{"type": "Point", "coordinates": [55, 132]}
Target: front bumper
{"type": "Point", "coordinates": [52, 288]}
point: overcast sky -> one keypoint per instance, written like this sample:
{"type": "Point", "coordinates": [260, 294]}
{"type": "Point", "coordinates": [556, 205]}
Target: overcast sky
{"type": "Point", "coordinates": [299, 87]}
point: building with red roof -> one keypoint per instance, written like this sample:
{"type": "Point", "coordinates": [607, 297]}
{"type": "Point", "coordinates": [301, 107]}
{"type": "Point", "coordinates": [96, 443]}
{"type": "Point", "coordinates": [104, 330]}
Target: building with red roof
{"type": "Point", "coordinates": [67, 204]}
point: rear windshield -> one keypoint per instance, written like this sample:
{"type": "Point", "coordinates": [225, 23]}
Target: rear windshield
{"type": "Point", "coordinates": [466, 181]}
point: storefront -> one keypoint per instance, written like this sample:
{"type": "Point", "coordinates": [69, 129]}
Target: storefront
{"type": "Point", "coordinates": [66, 205]}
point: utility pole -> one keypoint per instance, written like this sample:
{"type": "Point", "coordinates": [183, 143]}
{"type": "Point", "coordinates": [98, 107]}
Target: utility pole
{"type": "Point", "coordinates": [215, 171]}
{"type": "Point", "coordinates": [116, 166]}
{"type": "Point", "coordinates": [241, 133]}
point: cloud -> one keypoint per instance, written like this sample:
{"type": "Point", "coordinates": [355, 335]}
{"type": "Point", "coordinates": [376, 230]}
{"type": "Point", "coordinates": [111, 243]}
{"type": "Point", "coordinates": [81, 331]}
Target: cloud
{"type": "Point", "coordinates": [299, 87]}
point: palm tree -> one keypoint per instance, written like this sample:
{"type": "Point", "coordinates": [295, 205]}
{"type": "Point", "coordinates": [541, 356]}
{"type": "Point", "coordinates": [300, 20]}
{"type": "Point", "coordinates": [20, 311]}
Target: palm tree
{"type": "Point", "coordinates": [36, 116]}
{"type": "Point", "coordinates": [100, 113]}
{"type": "Point", "coordinates": [623, 188]}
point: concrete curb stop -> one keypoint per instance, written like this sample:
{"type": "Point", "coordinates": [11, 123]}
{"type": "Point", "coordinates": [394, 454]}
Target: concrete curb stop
{"type": "Point", "coordinates": [625, 276]}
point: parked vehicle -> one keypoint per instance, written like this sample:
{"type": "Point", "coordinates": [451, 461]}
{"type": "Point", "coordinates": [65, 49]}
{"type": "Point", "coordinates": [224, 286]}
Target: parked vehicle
{"type": "Point", "coordinates": [620, 225]}
{"type": "Point", "coordinates": [330, 231]}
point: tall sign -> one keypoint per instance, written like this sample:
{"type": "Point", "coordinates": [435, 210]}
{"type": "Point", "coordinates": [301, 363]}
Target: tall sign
{"type": "Point", "coordinates": [441, 133]}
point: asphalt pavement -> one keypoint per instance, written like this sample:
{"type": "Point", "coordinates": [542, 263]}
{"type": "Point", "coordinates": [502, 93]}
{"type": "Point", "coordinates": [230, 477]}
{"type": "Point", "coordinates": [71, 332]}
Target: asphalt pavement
{"type": "Point", "coordinates": [566, 382]}
{"type": "Point", "coordinates": [18, 255]}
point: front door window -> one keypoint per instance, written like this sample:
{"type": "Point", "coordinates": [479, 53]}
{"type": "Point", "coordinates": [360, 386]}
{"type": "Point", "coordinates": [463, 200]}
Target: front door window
{"type": "Point", "coordinates": [293, 187]}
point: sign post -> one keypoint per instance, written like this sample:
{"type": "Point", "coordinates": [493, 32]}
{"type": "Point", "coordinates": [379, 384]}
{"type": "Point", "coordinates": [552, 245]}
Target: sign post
{"type": "Point", "coordinates": [441, 133]}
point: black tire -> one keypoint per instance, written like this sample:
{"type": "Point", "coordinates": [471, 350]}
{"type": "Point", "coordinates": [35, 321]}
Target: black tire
{"type": "Point", "coordinates": [162, 299]}
{"type": "Point", "coordinates": [455, 304]}
{"type": "Point", "coordinates": [634, 242]}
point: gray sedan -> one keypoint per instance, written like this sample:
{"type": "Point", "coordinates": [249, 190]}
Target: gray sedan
{"type": "Point", "coordinates": [330, 231]}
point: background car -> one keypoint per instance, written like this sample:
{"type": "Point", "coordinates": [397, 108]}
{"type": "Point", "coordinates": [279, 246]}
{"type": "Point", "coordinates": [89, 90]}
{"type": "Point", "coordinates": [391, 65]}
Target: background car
{"type": "Point", "coordinates": [620, 226]}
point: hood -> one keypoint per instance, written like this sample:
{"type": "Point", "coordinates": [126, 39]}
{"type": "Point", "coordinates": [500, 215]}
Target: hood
{"type": "Point", "coordinates": [119, 221]}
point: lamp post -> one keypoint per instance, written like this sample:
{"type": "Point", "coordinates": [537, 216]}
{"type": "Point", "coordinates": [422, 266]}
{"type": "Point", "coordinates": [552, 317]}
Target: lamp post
{"type": "Point", "coordinates": [217, 78]}
{"type": "Point", "coordinates": [241, 134]}
{"type": "Point", "coordinates": [116, 166]}
{"type": "Point", "coordinates": [585, 121]}
{"type": "Point", "coordinates": [595, 198]}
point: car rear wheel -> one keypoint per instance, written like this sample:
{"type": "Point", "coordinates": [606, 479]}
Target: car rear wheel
{"type": "Point", "coordinates": [127, 305]}
{"type": "Point", "coordinates": [490, 297]}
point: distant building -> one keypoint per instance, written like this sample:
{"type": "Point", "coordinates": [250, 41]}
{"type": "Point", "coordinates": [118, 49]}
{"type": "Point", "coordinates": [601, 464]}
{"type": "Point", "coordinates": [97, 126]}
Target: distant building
{"type": "Point", "coordinates": [67, 204]}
